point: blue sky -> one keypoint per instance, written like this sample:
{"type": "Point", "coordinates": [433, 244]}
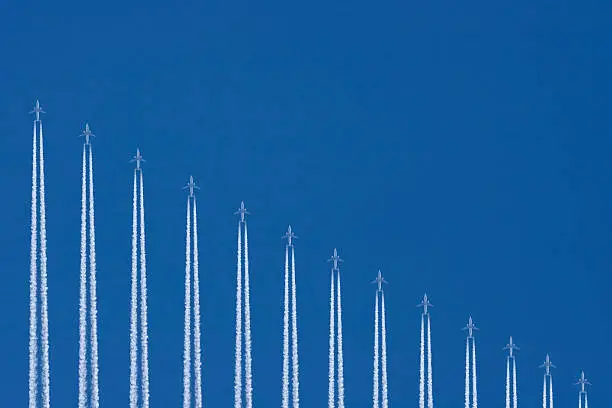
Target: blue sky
{"type": "Point", "coordinates": [463, 148]}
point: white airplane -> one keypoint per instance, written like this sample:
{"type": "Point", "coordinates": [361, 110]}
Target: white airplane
{"type": "Point", "coordinates": [335, 259]}
{"type": "Point", "coordinates": [470, 328]}
{"type": "Point", "coordinates": [138, 158]}
{"type": "Point", "coordinates": [547, 364]}
{"type": "Point", "coordinates": [242, 211]}
{"type": "Point", "coordinates": [289, 235]}
{"type": "Point", "coordinates": [37, 110]}
{"type": "Point", "coordinates": [424, 304]}
{"type": "Point", "coordinates": [190, 185]}
{"type": "Point", "coordinates": [379, 280]}
{"type": "Point", "coordinates": [87, 133]}
{"type": "Point", "coordinates": [582, 381]}
{"type": "Point", "coordinates": [511, 346]}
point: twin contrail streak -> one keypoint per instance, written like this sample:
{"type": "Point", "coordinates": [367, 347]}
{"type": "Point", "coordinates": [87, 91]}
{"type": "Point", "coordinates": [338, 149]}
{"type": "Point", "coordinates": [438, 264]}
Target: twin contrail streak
{"type": "Point", "coordinates": [422, 365]}
{"type": "Point", "coordinates": [187, 339]}
{"type": "Point", "coordinates": [134, 305]}
{"type": "Point", "coordinates": [514, 396]}
{"type": "Point", "coordinates": [93, 298]}
{"type": "Point", "coordinates": [196, 312]}
{"type": "Point", "coordinates": [247, 325]}
{"type": "Point", "coordinates": [33, 341]}
{"type": "Point", "coordinates": [474, 388]}
{"type": "Point", "coordinates": [467, 373]}
{"type": "Point", "coordinates": [332, 354]}
{"type": "Point", "coordinates": [83, 294]}
{"type": "Point", "coordinates": [340, 345]}
{"type": "Point", "coordinates": [385, 397]}
{"type": "Point", "coordinates": [294, 340]}
{"type": "Point", "coordinates": [376, 382]}
{"type": "Point", "coordinates": [429, 374]}
{"type": "Point", "coordinates": [143, 304]}
{"type": "Point", "coordinates": [507, 382]}
{"type": "Point", "coordinates": [285, 384]}
{"type": "Point", "coordinates": [238, 346]}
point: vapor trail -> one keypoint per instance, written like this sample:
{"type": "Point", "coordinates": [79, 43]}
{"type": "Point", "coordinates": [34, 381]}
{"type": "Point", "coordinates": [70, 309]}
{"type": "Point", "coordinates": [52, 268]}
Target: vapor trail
{"type": "Point", "coordinates": [385, 396]}
{"type": "Point", "coordinates": [43, 281]}
{"type": "Point", "coordinates": [340, 350]}
{"type": "Point", "coordinates": [83, 294]}
{"type": "Point", "coordinates": [579, 400]}
{"type": "Point", "coordinates": [474, 388]}
{"type": "Point", "coordinates": [514, 396]}
{"type": "Point", "coordinates": [586, 400]}
{"type": "Point", "coordinates": [422, 365]}
{"type": "Point", "coordinates": [247, 324]}
{"type": "Point", "coordinates": [93, 298]}
{"type": "Point", "coordinates": [133, 307]}
{"type": "Point", "coordinates": [238, 347]}
{"type": "Point", "coordinates": [33, 341]}
{"type": "Point", "coordinates": [143, 304]}
{"type": "Point", "coordinates": [507, 382]}
{"type": "Point", "coordinates": [551, 393]}
{"type": "Point", "coordinates": [375, 391]}
{"type": "Point", "coordinates": [294, 338]}
{"type": "Point", "coordinates": [187, 339]}
{"type": "Point", "coordinates": [544, 398]}
{"type": "Point", "coordinates": [467, 372]}
{"type": "Point", "coordinates": [196, 310]}
{"type": "Point", "coordinates": [332, 358]}
{"type": "Point", "coordinates": [285, 397]}
{"type": "Point", "coordinates": [429, 374]}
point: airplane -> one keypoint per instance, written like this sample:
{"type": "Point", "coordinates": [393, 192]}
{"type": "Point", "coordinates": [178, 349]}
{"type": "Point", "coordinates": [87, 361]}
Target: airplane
{"type": "Point", "coordinates": [547, 364]}
{"type": "Point", "coordinates": [470, 328]}
{"type": "Point", "coordinates": [87, 133]}
{"type": "Point", "coordinates": [289, 235]}
{"type": "Point", "coordinates": [424, 304]}
{"type": "Point", "coordinates": [511, 346]}
{"type": "Point", "coordinates": [582, 381]}
{"type": "Point", "coordinates": [335, 259]}
{"type": "Point", "coordinates": [190, 185]}
{"type": "Point", "coordinates": [138, 158]}
{"type": "Point", "coordinates": [380, 280]}
{"type": "Point", "coordinates": [37, 109]}
{"type": "Point", "coordinates": [242, 211]}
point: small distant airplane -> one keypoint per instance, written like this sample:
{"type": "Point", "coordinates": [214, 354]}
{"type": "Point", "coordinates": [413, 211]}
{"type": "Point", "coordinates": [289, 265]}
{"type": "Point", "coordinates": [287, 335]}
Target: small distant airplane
{"type": "Point", "coordinates": [582, 382]}
{"type": "Point", "coordinates": [190, 185]}
{"type": "Point", "coordinates": [289, 235]}
{"type": "Point", "coordinates": [511, 346]}
{"type": "Point", "coordinates": [424, 304]}
{"type": "Point", "coordinates": [37, 110]}
{"type": "Point", "coordinates": [138, 158]}
{"type": "Point", "coordinates": [547, 364]}
{"type": "Point", "coordinates": [379, 280]}
{"type": "Point", "coordinates": [470, 328]}
{"type": "Point", "coordinates": [87, 133]}
{"type": "Point", "coordinates": [335, 259]}
{"type": "Point", "coordinates": [242, 211]}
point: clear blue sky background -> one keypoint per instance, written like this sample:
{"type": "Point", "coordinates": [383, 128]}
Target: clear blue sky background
{"type": "Point", "coordinates": [462, 147]}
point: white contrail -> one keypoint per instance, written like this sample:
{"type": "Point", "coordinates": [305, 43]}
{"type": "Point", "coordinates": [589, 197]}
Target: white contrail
{"type": "Point", "coordinates": [83, 294]}
{"type": "Point", "coordinates": [514, 394]}
{"type": "Point", "coordinates": [133, 307]}
{"type": "Point", "coordinates": [33, 342]}
{"type": "Point", "coordinates": [93, 297]}
{"type": "Point", "coordinates": [544, 398]}
{"type": "Point", "coordinates": [551, 393]}
{"type": "Point", "coordinates": [467, 372]}
{"type": "Point", "coordinates": [429, 374]}
{"type": "Point", "coordinates": [474, 388]}
{"type": "Point", "coordinates": [586, 400]}
{"type": "Point", "coordinates": [579, 400]}
{"type": "Point", "coordinates": [248, 377]}
{"type": "Point", "coordinates": [507, 382]}
{"type": "Point", "coordinates": [385, 390]}
{"type": "Point", "coordinates": [46, 386]}
{"type": "Point", "coordinates": [285, 396]}
{"type": "Point", "coordinates": [143, 304]}
{"type": "Point", "coordinates": [332, 355]}
{"type": "Point", "coordinates": [187, 338]}
{"type": "Point", "coordinates": [196, 310]}
{"type": "Point", "coordinates": [238, 347]}
{"type": "Point", "coordinates": [340, 350]}
{"type": "Point", "coordinates": [422, 365]}
{"type": "Point", "coordinates": [294, 338]}
{"type": "Point", "coordinates": [375, 392]}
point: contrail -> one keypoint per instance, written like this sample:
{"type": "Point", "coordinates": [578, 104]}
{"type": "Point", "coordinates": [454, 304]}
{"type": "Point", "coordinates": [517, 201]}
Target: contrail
{"type": "Point", "coordinates": [579, 400]}
{"type": "Point", "coordinates": [332, 358]}
{"type": "Point", "coordinates": [33, 342]}
{"type": "Point", "coordinates": [544, 393]}
{"type": "Point", "coordinates": [143, 304]}
{"type": "Point", "coordinates": [474, 388]}
{"type": "Point", "coordinates": [187, 339]}
{"type": "Point", "coordinates": [340, 352]}
{"type": "Point", "coordinates": [196, 310]}
{"type": "Point", "coordinates": [294, 340]}
{"type": "Point", "coordinates": [586, 400]}
{"type": "Point", "coordinates": [385, 397]}
{"type": "Point", "coordinates": [95, 392]}
{"type": "Point", "coordinates": [238, 349]}
{"type": "Point", "coordinates": [285, 396]}
{"type": "Point", "coordinates": [83, 294]}
{"type": "Point", "coordinates": [429, 375]}
{"type": "Point", "coordinates": [514, 396]}
{"type": "Point", "coordinates": [507, 382]}
{"type": "Point", "coordinates": [551, 393]}
{"type": "Point", "coordinates": [422, 365]}
{"type": "Point", "coordinates": [133, 307]}
{"type": "Point", "coordinates": [46, 386]}
{"type": "Point", "coordinates": [375, 392]}
{"type": "Point", "coordinates": [247, 324]}
{"type": "Point", "coordinates": [467, 372]}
